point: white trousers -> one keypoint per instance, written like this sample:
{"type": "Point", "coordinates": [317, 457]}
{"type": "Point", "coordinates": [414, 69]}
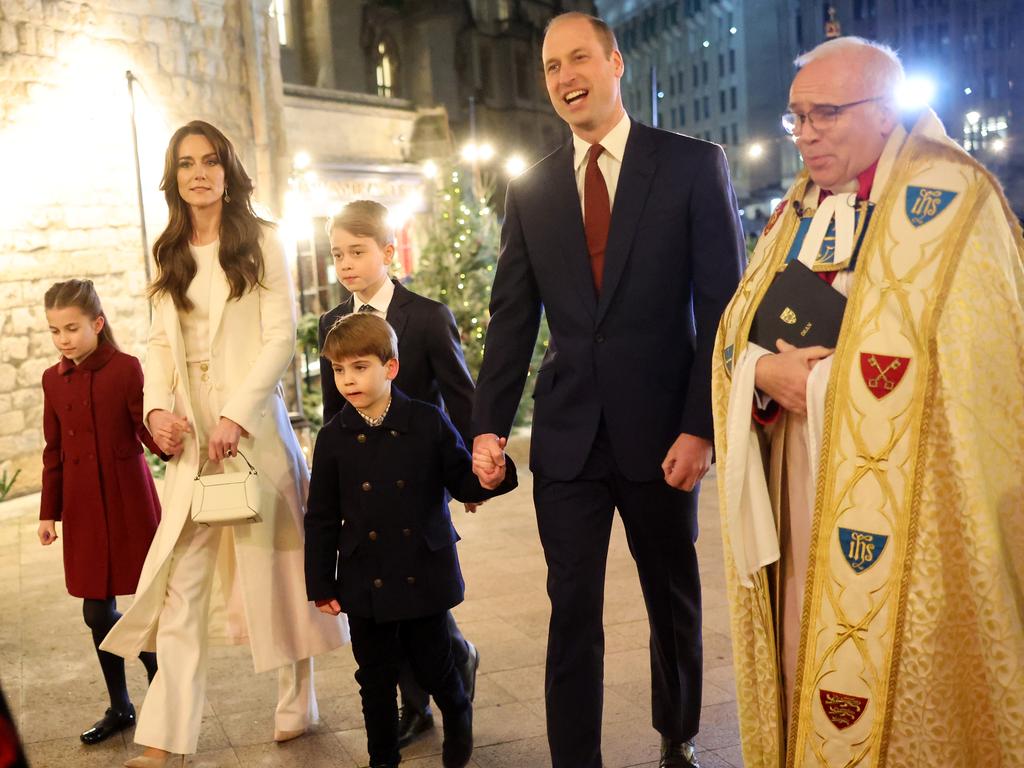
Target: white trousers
{"type": "Point", "coordinates": [173, 709]}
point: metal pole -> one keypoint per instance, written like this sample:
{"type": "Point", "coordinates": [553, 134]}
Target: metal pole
{"type": "Point", "coordinates": [138, 179]}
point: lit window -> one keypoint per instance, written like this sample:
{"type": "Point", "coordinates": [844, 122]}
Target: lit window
{"type": "Point", "coordinates": [279, 12]}
{"type": "Point", "coordinates": [383, 69]}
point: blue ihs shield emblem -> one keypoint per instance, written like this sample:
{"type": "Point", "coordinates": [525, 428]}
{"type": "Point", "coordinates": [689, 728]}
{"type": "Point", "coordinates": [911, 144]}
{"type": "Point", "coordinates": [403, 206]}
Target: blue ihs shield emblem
{"type": "Point", "coordinates": [924, 204]}
{"type": "Point", "coordinates": [860, 548]}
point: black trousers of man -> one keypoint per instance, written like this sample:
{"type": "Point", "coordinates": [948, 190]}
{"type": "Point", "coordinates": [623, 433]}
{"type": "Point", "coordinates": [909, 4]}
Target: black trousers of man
{"type": "Point", "coordinates": [380, 650]}
{"type": "Point", "coordinates": [574, 519]}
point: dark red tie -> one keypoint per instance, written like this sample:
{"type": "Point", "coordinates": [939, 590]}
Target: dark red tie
{"type": "Point", "coordinates": [597, 213]}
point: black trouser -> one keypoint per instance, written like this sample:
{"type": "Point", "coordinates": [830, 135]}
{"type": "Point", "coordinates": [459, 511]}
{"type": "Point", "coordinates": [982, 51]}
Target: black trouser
{"type": "Point", "coordinates": [574, 519]}
{"type": "Point", "coordinates": [100, 616]}
{"type": "Point", "coordinates": [415, 697]}
{"type": "Point", "coordinates": [380, 649]}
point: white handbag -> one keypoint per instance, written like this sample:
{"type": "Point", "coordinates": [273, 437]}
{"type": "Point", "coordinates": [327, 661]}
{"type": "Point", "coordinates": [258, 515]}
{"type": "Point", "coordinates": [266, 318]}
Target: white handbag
{"type": "Point", "coordinates": [231, 498]}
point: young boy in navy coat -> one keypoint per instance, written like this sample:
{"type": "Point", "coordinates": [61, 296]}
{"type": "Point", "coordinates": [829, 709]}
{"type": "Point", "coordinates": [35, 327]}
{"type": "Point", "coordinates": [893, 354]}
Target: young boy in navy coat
{"type": "Point", "coordinates": [380, 544]}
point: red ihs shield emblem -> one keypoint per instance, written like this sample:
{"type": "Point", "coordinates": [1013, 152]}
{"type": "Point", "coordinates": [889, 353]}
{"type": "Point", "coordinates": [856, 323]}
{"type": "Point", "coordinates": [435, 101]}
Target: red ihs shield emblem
{"type": "Point", "coordinates": [774, 217]}
{"type": "Point", "coordinates": [842, 709]}
{"type": "Point", "coordinates": [882, 373]}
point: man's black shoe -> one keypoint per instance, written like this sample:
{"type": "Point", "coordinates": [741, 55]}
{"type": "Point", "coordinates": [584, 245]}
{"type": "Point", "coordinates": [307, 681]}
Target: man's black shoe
{"type": "Point", "coordinates": [111, 723]}
{"type": "Point", "coordinates": [457, 747]}
{"type": "Point", "coordinates": [412, 724]}
{"type": "Point", "coordinates": [468, 670]}
{"type": "Point", "coordinates": [678, 754]}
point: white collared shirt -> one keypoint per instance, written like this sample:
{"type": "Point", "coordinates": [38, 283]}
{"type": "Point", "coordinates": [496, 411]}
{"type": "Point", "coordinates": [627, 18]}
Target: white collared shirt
{"type": "Point", "coordinates": [381, 299]}
{"type": "Point", "coordinates": [610, 161]}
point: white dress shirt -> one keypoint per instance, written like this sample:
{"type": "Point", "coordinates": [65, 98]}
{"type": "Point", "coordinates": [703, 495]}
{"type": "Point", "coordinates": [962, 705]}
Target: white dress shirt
{"type": "Point", "coordinates": [380, 301]}
{"type": "Point", "coordinates": [610, 161]}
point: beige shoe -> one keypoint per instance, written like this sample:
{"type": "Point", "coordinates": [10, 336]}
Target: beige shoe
{"type": "Point", "coordinates": [282, 736]}
{"type": "Point", "coordinates": [146, 761]}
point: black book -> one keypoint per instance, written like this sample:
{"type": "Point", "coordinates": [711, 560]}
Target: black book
{"type": "Point", "coordinates": [798, 307]}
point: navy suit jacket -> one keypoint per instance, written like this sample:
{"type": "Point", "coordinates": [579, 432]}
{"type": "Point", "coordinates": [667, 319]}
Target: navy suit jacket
{"type": "Point", "coordinates": [431, 365]}
{"type": "Point", "coordinates": [638, 355]}
{"type": "Point", "coordinates": [378, 509]}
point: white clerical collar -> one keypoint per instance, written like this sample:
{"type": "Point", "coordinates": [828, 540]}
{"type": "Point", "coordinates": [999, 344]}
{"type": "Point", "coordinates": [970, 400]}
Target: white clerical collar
{"type": "Point", "coordinates": [381, 299]}
{"type": "Point", "coordinates": [614, 142]}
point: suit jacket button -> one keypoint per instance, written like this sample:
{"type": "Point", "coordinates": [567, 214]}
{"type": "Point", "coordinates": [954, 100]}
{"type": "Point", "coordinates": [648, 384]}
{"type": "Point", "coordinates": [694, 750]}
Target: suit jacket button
{"type": "Point", "coordinates": [366, 486]}
{"type": "Point", "coordinates": [378, 583]}
{"type": "Point", "coordinates": [407, 532]}
{"type": "Point", "coordinates": [599, 338]}
{"type": "Point", "coordinates": [373, 535]}
{"type": "Point", "coordinates": [410, 579]}
{"type": "Point", "coordinates": [400, 484]}
{"type": "Point", "coordinates": [361, 437]}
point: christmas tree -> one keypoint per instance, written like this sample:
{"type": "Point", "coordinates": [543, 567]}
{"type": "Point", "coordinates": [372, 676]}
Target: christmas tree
{"type": "Point", "coordinates": [456, 265]}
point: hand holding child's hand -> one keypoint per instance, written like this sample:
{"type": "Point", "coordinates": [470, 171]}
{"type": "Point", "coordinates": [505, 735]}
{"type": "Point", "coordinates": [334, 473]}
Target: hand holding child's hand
{"type": "Point", "coordinates": [489, 460]}
{"type": "Point", "coordinates": [168, 431]}
{"type": "Point", "coordinates": [47, 532]}
{"type": "Point", "coordinates": [333, 608]}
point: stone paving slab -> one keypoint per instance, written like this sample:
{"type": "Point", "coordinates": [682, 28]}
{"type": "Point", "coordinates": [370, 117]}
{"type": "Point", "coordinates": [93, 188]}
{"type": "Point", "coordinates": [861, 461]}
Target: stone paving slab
{"type": "Point", "coordinates": [52, 681]}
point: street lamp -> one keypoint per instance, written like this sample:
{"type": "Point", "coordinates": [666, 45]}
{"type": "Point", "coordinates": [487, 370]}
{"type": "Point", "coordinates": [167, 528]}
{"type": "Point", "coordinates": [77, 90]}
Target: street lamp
{"type": "Point", "coordinates": [515, 165]}
{"type": "Point", "coordinates": [755, 151]}
{"type": "Point", "coordinates": [998, 145]}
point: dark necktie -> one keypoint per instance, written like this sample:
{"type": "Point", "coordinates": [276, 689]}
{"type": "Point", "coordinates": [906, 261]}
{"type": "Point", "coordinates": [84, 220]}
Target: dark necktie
{"type": "Point", "coordinates": [597, 213]}
{"type": "Point", "coordinates": [366, 308]}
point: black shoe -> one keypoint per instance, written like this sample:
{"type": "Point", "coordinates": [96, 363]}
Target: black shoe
{"type": "Point", "coordinates": [678, 754]}
{"type": "Point", "coordinates": [412, 724]}
{"type": "Point", "coordinates": [111, 723]}
{"type": "Point", "coordinates": [468, 670]}
{"type": "Point", "coordinates": [457, 747]}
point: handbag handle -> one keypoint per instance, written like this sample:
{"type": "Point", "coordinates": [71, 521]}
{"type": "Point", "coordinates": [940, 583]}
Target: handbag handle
{"type": "Point", "coordinates": [202, 466]}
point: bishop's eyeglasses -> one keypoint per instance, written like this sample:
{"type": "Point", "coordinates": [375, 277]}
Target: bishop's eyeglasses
{"type": "Point", "coordinates": [821, 117]}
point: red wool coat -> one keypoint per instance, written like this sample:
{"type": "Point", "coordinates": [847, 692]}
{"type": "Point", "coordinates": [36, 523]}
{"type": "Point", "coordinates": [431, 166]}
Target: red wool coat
{"type": "Point", "coordinates": [95, 477]}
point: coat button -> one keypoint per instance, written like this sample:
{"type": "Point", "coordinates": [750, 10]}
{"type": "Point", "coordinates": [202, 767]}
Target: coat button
{"type": "Point", "coordinates": [407, 532]}
{"type": "Point", "coordinates": [71, 433]}
{"type": "Point", "coordinates": [378, 583]}
{"type": "Point", "coordinates": [373, 535]}
{"type": "Point", "coordinates": [68, 406]}
{"type": "Point", "coordinates": [410, 579]}
{"type": "Point", "coordinates": [361, 437]}
{"type": "Point", "coordinates": [366, 486]}
{"type": "Point", "coordinates": [394, 433]}
{"type": "Point", "coordinates": [85, 403]}
{"type": "Point", "coordinates": [599, 338]}
{"type": "Point", "coordinates": [204, 366]}
{"type": "Point", "coordinates": [400, 484]}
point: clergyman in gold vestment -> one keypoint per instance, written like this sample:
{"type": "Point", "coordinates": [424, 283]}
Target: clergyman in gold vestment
{"type": "Point", "coordinates": [872, 494]}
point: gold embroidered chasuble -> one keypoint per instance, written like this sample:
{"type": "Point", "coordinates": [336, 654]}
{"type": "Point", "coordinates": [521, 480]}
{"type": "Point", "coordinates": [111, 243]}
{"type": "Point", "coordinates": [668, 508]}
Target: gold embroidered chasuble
{"type": "Point", "coordinates": [912, 633]}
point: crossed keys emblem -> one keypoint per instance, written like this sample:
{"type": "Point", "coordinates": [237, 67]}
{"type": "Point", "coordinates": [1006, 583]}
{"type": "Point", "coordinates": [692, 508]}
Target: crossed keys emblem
{"type": "Point", "coordinates": [882, 373]}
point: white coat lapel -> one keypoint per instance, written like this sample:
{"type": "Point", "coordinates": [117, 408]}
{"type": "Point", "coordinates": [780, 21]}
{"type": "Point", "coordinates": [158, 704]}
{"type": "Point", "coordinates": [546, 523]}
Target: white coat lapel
{"type": "Point", "coordinates": [220, 289]}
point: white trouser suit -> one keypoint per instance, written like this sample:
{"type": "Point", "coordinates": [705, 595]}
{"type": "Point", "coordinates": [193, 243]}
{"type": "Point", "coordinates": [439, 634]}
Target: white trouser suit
{"type": "Point", "coordinates": [173, 709]}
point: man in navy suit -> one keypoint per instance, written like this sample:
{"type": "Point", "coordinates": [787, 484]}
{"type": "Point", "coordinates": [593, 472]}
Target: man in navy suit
{"type": "Point", "coordinates": [629, 239]}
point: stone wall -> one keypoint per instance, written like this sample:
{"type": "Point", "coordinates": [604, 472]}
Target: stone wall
{"type": "Point", "coordinates": [68, 202]}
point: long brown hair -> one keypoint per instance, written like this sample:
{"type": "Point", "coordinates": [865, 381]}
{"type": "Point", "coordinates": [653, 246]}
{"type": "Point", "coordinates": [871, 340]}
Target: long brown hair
{"type": "Point", "coordinates": [241, 256]}
{"type": "Point", "coordinates": [82, 295]}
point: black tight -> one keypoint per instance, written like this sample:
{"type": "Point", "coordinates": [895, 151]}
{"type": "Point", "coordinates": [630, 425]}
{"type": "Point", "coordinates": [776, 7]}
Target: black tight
{"type": "Point", "coordinates": [100, 616]}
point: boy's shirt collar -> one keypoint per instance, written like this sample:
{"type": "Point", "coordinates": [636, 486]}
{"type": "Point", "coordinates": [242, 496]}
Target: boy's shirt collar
{"type": "Point", "coordinates": [380, 301]}
{"type": "Point", "coordinates": [397, 418]}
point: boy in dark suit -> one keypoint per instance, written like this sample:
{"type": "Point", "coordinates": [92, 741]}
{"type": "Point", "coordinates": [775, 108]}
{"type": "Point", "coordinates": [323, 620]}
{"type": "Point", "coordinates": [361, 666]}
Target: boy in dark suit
{"type": "Point", "coordinates": [433, 370]}
{"type": "Point", "coordinates": [380, 544]}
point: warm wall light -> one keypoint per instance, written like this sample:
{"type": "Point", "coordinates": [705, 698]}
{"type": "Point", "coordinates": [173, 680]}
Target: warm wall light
{"type": "Point", "coordinates": [515, 165]}
{"type": "Point", "coordinates": [301, 160]}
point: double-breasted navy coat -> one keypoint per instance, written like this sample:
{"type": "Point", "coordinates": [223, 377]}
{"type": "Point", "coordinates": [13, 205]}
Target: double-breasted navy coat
{"type": "Point", "coordinates": [95, 477]}
{"type": "Point", "coordinates": [377, 507]}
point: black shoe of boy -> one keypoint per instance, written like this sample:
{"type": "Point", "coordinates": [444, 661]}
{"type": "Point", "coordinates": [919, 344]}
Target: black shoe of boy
{"type": "Point", "coordinates": [457, 747]}
{"type": "Point", "coordinates": [412, 724]}
{"type": "Point", "coordinates": [111, 723]}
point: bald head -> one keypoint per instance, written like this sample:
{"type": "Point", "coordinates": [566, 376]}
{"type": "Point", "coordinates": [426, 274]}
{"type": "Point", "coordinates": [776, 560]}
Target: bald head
{"type": "Point", "coordinates": [875, 65]}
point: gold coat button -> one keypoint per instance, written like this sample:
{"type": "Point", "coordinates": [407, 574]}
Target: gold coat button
{"type": "Point", "coordinates": [394, 433]}
{"type": "Point", "coordinates": [373, 535]}
{"type": "Point", "coordinates": [378, 583]}
{"type": "Point", "coordinates": [400, 484]}
{"type": "Point", "coordinates": [410, 579]}
{"type": "Point", "coordinates": [204, 366]}
{"type": "Point", "coordinates": [366, 486]}
{"type": "Point", "coordinates": [361, 437]}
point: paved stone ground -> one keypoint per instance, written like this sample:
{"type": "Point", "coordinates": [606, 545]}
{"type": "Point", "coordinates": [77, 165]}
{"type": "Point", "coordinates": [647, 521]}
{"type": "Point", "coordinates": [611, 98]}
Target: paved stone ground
{"type": "Point", "coordinates": [52, 681]}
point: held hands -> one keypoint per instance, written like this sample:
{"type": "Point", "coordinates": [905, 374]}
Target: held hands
{"type": "Point", "coordinates": [47, 532]}
{"type": "Point", "coordinates": [783, 376]}
{"type": "Point", "coordinates": [224, 439]}
{"type": "Point", "coordinates": [489, 460]}
{"type": "Point", "coordinates": [687, 461]}
{"type": "Point", "coordinates": [333, 608]}
{"type": "Point", "coordinates": [168, 431]}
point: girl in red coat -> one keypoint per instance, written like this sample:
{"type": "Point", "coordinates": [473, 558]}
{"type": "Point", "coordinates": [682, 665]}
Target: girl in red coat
{"type": "Point", "coordinates": [95, 478]}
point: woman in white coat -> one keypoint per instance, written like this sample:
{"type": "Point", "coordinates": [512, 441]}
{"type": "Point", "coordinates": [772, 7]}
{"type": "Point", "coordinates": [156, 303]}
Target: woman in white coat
{"type": "Point", "coordinates": [222, 336]}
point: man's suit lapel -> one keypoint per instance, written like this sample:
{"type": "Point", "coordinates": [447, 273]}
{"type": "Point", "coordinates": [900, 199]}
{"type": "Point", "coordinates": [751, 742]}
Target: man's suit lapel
{"type": "Point", "coordinates": [638, 166]}
{"type": "Point", "coordinates": [568, 217]}
{"type": "Point", "coordinates": [398, 314]}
